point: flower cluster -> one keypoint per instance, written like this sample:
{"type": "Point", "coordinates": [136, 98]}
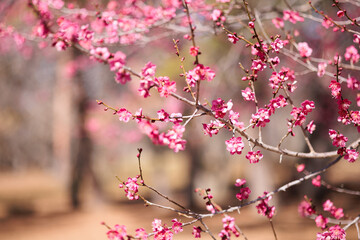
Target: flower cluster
{"type": "Point", "coordinates": [299, 114]}
{"type": "Point", "coordinates": [264, 208]}
{"type": "Point", "coordinates": [131, 187]}
{"type": "Point", "coordinates": [334, 233]}
{"type": "Point", "coordinates": [334, 211]}
{"type": "Point", "coordinates": [254, 157]}
{"type": "Point", "coordinates": [220, 108]}
{"type": "Point", "coordinates": [306, 208]}
{"type": "Point", "coordinates": [234, 145]}
{"type": "Point", "coordinates": [200, 72]}
{"type": "Point", "coordinates": [244, 191]}
{"type": "Point", "coordinates": [162, 232]}
{"type": "Point", "coordinates": [228, 228]}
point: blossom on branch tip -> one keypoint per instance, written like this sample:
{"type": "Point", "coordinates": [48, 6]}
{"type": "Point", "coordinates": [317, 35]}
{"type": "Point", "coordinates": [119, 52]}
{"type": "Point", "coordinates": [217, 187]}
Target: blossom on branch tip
{"type": "Point", "coordinates": [131, 188]}
{"type": "Point", "coordinates": [351, 155]}
{"type": "Point", "coordinates": [248, 95]}
{"type": "Point", "coordinates": [194, 51]}
{"type": "Point", "coordinates": [335, 89]}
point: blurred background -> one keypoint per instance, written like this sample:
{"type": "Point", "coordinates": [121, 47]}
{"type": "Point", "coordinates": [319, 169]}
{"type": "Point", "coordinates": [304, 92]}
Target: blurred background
{"type": "Point", "coordinates": [60, 152]}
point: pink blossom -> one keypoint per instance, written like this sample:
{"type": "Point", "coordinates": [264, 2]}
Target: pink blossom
{"type": "Point", "coordinates": [351, 155]}
{"type": "Point", "coordinates": [200, 72]}
{"type": "Point", "coordinates": [306, 208]}
{"type": "Point", "coordinates": [337, 213]}
{"type": "Point", "coordinates": [264, 208]}
{"type": "Point", "coordinates": [356, 38]}
{"type": "Point", "coordinates": [233, 39]}
{"type": "Point", "coordinates": [338, 139]}
{"type": "Point", "coordinates": [162, 115]}
{"type": "Point", "coordinates": [117, 61]}
{"type": "Point", "coordinates": [229, 227]}
{"type": "Point", "coordinates": [239, 182]}
{"type": "Point", "coordinates": [327, 23]}
{"type": "Point", "coordinates": [260, 118]}
{"type": "Point", "coordinates": [194, 51]}
{"type": "Point", "coordinates": [292, 16]}
{"type": "Point", "coordinates": [122, 76]}
{"type": "Point", "coordinates": [165, 86]}
{"type": "Point", "coordinates": [217, 16]}
{"type": "Point", "coordinates": [316, 181]}
{"type": "Point", "coordinates": [304, 49]}
{"type": "Point", "coordinates": [243, 194]}
{"type": "Point", "coordinates": [278, 22]}
{"type": "Point", "coordinates": [300, 167]}
{"type": "Point", "coordinates": [340, 13]}
{"type": "Point", "coordinates": [254, 157]}
{"type": "Point", "coordinates": [352, 54]}
{"type": "Point", "coordinates": [173, 138]}
{"type": "Point", "coordinates": [117, 233]}
{"type": "Point", "coordinates": [335, 89]}
{"type": "Point", "coordinates": [233, 117]}
{"type": "Point", "coordinates": [321, 221]}
{"type": "Point", "coordinates": [234, 145]}
{"type": "Point", "coordinates": [220, 108]}
{"type": "Point", "coordinates": [148, 70]}
{"type": "Point", "coordinates": [321, 69]}
{"type": "Point", "coordinates": [277, 44]}
{"type": "Point", "coordinates": [258, 65]}
{"type": "Point", "coordinates": [196, 232]}
{"type": "Point", "coordinates": [213, 127]}
{"type": "Point", "coordinates": [311, 127]}
{"type": "Point", "coordinates": [353, 83]}
{"type": "Point", "coordinates": [355, 117]}
{"type": "Point", "coordinates": [334, 233]}
{"type": "Point", "coordinates": [251, 24]}
{"type": "Point", "coordinates": [177, 226]}
{"type": "Point", "coordinates": [308, 106]}
{"type": "Point", "coordinates": [248, 95]}
{"type": "Point", "coordinates": [131, 188]}
{"type": "Point", "coordinates": [328, 205]}
{"type": "Point", "coordinates": [124, 115]}
{"type": "Point", "coordinates": [141, 234]}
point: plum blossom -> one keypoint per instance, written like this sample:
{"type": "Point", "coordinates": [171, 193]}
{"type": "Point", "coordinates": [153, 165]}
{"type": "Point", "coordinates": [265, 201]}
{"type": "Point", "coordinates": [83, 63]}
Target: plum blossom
{"type": "Point", "coordinates": [353, 83]}
{"type": "Point", "coordinates": [260, 118]}
{"type": "Point", "coordinates": [352, 54]}
{"type": "Point", "coordinates": [228, 228]}
{"type": "Point", "coordinates": [141, 234]}
{"type": "Point", "coordinates": [321, 221]}
{"type": "Point", "coordinates": [334, 233]}
{"type": "Point", "coordinates": [264, 208]}
{"type": "Point", "coordinates": [277, 45]}
{"type": "Point", "coordinates": [335, 89]}
{"type": "Point", "coordinates": [117, 233]}
{"type": "Point", "coordinates": [234, 145]}
{"type": "Point", "coordinates": [311, 127]}
{"type": "Point", "coordinates": [292, 16]}
{"type": "Point", "coordinates": [338, 139]}
{"type": "Point", "coordinates": [254, 157]}
{"type": "Point", "coordinates": [124, 115]}
{"type": "Point", "coordinates": [233, 117]}
{"type": "Point", "coordinates": [278, 22]}
{"type": "Point", "coordinates": [248, 95]}
{"type": "Point", "coordinates": [165, 86]}
{"type": "Point", "coordinates": [306, 208]}
{"type": "Point", "coordinates": [200, 72]}
{"type": "Point", "coordinates": [177, 226]}
{"type": "Point", "coordinates": [321, 69]}
{"type": "Point", "coordinates": [300, 167]}
{"type": "Point", "coordinates": [304, 49]}
{"type": "Point", "coordinates": [233, 39]}
{"type": "Point", "coordinates": [131, 188]}
{"type": "Point", "coordinates": [243, 194]}
{"type": "Point", "coordinates": [316, 181]}
{"type": "Point", "coordinates": [220, 108]}
{"type": "Point", "coordinates": [197, 232]}
{"type": "Point", "coordinates": [351, 155]}
{"type": "Point", "coordinates": [194, 51]}
{"type": "Point", "coordinates": [213, 127]}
